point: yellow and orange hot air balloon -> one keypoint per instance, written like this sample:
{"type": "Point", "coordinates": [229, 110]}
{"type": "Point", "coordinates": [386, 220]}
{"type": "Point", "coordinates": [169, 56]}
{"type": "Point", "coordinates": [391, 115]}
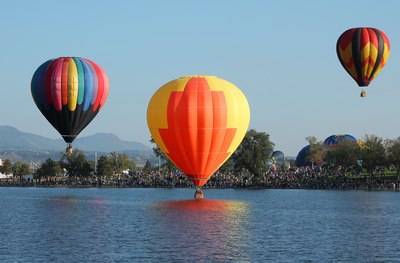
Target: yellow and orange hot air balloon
{"type": "Point", "coordinates": [363, 52]}
{"type": "Point", "coordinates": [198, 122]}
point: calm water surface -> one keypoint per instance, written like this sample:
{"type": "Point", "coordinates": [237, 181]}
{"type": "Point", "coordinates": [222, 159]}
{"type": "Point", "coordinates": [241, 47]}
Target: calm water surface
{"type": "Point", "coordinates": [164, 225]}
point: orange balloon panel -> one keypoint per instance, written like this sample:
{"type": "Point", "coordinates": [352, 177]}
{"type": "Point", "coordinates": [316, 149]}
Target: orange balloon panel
{"type": "Point", "coordinates": [198, 122]}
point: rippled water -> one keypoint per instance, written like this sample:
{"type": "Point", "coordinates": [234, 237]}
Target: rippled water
{"type": "Point", "coordinates": [164, 225]}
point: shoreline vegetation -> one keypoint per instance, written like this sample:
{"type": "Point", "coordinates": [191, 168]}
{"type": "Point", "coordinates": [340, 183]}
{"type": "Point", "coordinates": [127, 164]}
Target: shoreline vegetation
{"type": "Point", "coordinates": [369, 164]}
{"type": "Point", "coordinates": [299, 179]}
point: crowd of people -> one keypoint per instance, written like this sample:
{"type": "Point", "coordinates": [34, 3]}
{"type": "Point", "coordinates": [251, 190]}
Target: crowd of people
{"type": "Point", "coordinates": [299, 178]}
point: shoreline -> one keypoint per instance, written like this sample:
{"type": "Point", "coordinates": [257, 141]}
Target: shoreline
{"type": "Point", "coordinates": [376, 188]}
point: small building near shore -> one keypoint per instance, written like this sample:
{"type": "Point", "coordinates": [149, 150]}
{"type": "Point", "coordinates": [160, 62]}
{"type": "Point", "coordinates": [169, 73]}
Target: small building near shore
{"type": "Point", "coordinates": [5, 176]}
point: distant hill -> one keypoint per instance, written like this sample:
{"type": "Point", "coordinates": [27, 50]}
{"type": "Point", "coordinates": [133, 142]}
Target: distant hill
{"type": "Point", "coordinates": [18, 145]}
{"type": "Point", "coordinates": [107, 142]}
{"type": "Point", "coordinates": [14, 139]}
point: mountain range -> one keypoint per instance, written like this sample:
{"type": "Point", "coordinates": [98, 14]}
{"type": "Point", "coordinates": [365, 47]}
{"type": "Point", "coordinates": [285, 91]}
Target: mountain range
{"type": "Point", "coordinates": [17, 145]}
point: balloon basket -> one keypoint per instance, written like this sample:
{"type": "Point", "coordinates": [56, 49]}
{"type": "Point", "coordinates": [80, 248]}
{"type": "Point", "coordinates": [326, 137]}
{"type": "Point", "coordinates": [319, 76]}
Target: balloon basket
{"type": "Point", "coordinates": [363, 94]}
{"type": "Point", "coordinates": [68, 149]}
{"type": "Point", "coordinates": [198, 194]}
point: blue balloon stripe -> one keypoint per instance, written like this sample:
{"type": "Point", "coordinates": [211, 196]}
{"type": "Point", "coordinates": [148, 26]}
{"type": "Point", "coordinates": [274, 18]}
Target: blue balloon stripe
{"type": "Point", "coordinates": [88, 79]}
{"type": "Point", "coordinates": [95, 79]}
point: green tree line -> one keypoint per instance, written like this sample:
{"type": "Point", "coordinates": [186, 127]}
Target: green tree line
{"type": "Point", "coordinates": [74, 165]}
{"type": "Point", "coordinates": [370, 155]}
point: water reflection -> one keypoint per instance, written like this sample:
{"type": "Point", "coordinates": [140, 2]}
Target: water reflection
{"type": "Point", "coordinates": [369, 225]}
{"type": "Point", "coordinates": [131, 225]}
{"type": "Point", "coordinates": [65, 220]}
{"type": "Point", "coordinates": [206, 230]}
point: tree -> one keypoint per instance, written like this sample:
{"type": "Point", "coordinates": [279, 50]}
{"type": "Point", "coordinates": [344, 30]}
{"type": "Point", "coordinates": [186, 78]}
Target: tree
{"type": "Point", "coordinates": [147, 166]}
{"type": "Point", "coordinates": [20, 169]}
{"type": "Point", "coordinates": [317, 150]}
{"type": "Point", "coordinates": [227, 167]}
{"type": "Point", "coordinates": [7, 167]}
{"type": "Point", "coordinates": [104, 166]}
{"type": "Point", "coordinates": [166, 162]}
{"type": "Point", "coordinates": [253, 153]}
{"type": "Point", "coordinates": [372, 153]}
{"type": "Point", "coordinates": [285, 165]}
{"type": "Point", "coordinates": [343, 155]}
{"type": "Point", "coordinates": [121, 162]}
{"type": "Point", "coordinates": [48, 168]}
{"type": "Point", "coordinates": [76, 164]}
{"type": "Point", "coordinates": [393, 153]}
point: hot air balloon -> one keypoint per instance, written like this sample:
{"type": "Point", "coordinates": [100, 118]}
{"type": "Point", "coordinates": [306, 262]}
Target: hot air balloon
{"type": "Point", "coordinates": [302, 156]}
{"type": "Point", "coordinates": [69, 92]}
{"type": "Point", "coordinates": [198, 122]}
{"type": "Point", "coordinates": [278, 157]}
{"type": "Point", "coordinates": [333, 140]}
{"type": "Point", "coordinates": [363, 52]}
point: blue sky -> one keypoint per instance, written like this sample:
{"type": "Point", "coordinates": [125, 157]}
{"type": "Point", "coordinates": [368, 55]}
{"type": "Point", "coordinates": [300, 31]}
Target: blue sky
{"type": "Point", "coordinates": [281, 54]}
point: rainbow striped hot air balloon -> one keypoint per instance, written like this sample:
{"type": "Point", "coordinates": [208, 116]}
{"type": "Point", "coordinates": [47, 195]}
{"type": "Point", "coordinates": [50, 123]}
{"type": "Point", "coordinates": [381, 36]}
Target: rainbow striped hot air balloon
{"type": "Point", "coordinates": [363, 52]}
{"type": "Point", "coordinates": [198, 122]}
{"type": "Point", "coordinates": [69, 91]}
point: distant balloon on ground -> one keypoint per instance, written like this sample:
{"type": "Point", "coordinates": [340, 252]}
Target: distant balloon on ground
{"type": "Point", "coordinates": [278, 157]}
{"type": "Point", "coordinates": [333, 140]}
{"type": "Point", "coordinates": [330, 141]}
{"type": "Point", "coordinates": [302, 155]}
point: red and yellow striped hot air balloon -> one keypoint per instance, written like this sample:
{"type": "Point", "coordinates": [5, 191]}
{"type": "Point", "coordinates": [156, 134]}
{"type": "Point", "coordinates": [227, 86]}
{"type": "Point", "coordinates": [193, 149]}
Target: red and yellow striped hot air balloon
{"type": "Point", "coordinates": [363, 52]}
{"type": "Point", "coordinates": [198, 122]}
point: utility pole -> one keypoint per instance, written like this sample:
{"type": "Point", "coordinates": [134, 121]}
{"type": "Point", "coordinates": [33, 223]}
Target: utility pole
{"type": "Point", "coordinates": [95, 162]}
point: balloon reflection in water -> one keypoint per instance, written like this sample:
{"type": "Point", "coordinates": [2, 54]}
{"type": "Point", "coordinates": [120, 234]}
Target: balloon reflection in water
{"type": "Point", "coordinates": [204, 229]}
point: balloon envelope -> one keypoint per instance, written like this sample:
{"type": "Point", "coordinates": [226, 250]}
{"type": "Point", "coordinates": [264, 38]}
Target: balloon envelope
{"type": "Point", "coordinates": [278, 157]}
{"type": "Point", "coordinates": [363, 52]}
{"type": "Point", "coordinates": [302, 155]}
{"type": "Point", "coordinates": [333, 140]}
{"type": "Point", "coordinates": [198, 122]}
{"type": "Point", "coordinates": [69, 91]}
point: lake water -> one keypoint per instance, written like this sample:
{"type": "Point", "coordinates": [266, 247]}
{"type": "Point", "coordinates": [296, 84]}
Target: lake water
{"type": "Point", "coordinates": [165, 225]}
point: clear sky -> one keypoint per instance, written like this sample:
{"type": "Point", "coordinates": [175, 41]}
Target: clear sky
{"type": "Point", "coordinates": [281, 54]}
